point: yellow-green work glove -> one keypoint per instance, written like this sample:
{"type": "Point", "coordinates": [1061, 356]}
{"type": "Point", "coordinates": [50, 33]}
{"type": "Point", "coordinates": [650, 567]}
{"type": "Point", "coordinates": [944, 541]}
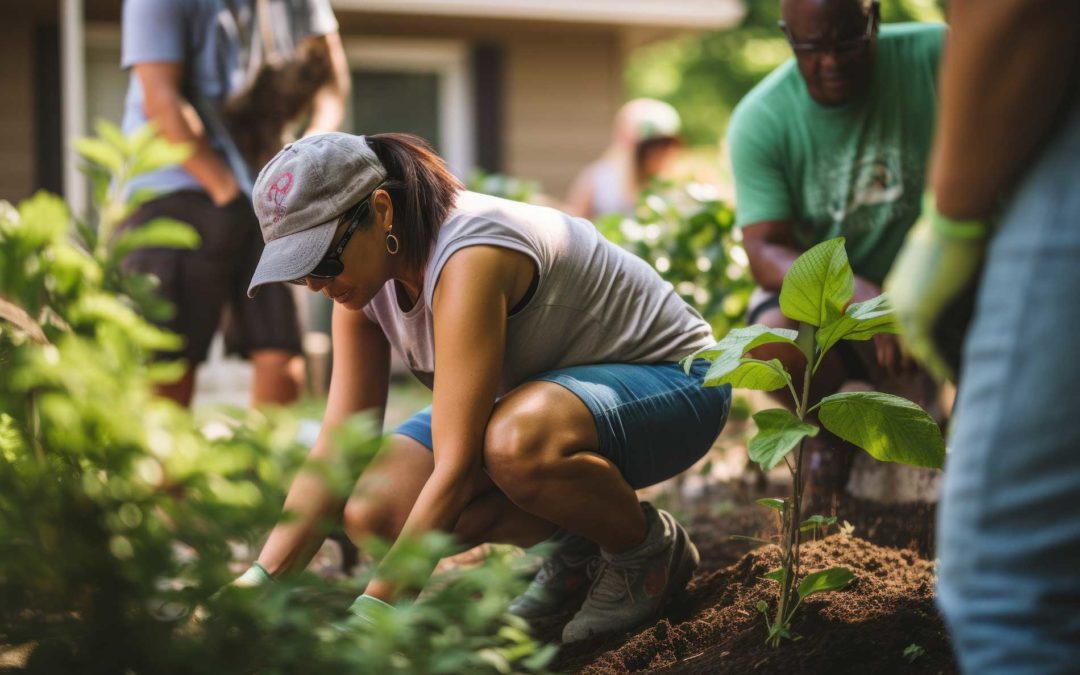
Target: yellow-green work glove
{"type": "Point", "coordinates": [256, 575]}
{"type": "Point", "coordinates": [939, 259]}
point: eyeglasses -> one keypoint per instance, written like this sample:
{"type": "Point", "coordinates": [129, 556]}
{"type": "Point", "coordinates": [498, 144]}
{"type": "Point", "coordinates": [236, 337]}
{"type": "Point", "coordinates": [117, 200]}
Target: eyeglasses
{"type": "Point", "coordinates": [841, 48]}
{"type": "Point", "coordinates": [331, 266]}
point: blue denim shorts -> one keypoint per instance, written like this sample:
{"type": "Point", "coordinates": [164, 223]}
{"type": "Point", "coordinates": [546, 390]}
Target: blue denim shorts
{"type": "Point", "coordinates": [653, 420]}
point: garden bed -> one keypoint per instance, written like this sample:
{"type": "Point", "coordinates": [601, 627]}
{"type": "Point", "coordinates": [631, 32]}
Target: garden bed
{"type": "Point", "coordinates": [714, 627]}
{"type": "Point", "coordinates": [865, 628]}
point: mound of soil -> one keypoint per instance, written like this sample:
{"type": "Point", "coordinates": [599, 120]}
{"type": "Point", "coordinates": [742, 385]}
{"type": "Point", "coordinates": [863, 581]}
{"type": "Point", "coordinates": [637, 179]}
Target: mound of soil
{"type": "Point", "coordinates": [714, 627]}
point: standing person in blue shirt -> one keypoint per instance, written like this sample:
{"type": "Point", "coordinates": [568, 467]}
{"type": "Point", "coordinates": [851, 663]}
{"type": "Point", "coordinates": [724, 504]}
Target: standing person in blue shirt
{"type": "Point", "coordinates": [834, 143]}
{"type": "Point", "coordinates": [1003, 206]}
{"type": "Point", "coordinates": [202, 71]}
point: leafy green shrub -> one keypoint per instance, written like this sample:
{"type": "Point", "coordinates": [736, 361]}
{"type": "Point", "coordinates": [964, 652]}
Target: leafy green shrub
{"type": "Point", "coordinates": [687, 234]}
{"type": "Point", "coordinates": [501, 185]}
{"type": "Point", "coordinates": [816, 293]}
{"type": "Point", "coordinates": [118, 512]}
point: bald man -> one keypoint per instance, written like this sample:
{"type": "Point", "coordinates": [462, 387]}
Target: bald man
{"type": "Point", "coordinates": [835, 143]}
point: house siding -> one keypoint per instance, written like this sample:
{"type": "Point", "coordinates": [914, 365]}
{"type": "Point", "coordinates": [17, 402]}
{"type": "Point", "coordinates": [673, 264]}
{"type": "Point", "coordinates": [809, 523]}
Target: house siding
{"type": "Point", "coordinates": [18, 167]}
{"type": "Point", "coordinates": [560, 87]}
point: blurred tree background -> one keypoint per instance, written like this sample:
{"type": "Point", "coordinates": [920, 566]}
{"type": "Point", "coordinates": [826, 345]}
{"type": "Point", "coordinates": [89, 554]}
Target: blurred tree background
{"type": "Point", "coordinates": [704, 76]}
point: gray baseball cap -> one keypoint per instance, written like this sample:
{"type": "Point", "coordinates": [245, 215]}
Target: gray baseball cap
{"type": "Point", "coordinates": [299, 197]}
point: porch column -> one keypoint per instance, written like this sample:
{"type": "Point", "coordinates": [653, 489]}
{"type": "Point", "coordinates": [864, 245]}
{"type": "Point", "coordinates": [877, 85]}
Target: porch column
{"type": "Point", "coordinates": [73, 99]}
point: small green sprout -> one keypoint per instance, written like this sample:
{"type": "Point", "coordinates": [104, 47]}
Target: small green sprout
{"type": "Point", "coordinates": [913, 652]}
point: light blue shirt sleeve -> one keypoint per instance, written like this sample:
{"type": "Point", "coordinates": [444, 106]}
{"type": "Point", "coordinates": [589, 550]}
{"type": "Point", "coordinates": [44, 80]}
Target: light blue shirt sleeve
{"type": "Point", "coordinates": [152, 32]}
{"type": "Point", "coordinates": [322, 20]}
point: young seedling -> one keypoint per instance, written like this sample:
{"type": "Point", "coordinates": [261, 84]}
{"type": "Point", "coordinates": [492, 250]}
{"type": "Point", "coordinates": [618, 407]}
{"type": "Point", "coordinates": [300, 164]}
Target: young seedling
{"type": "Point", "coordinates": [816, 293]}
{"type": "Point", "coordinates": [913, 652]}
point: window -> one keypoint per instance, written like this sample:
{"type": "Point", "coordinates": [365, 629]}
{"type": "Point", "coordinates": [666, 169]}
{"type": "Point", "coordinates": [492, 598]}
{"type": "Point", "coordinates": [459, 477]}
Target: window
{"type": "Point", "coordinates": [415, 86]}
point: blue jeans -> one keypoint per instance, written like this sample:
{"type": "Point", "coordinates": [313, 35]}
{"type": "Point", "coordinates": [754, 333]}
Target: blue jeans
{"type": "Point", "coordinates": [1009, 520]}
{"type": "Point", "coordinates": [653, 420]}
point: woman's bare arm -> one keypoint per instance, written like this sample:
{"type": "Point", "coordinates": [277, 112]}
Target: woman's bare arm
{"type": "Point", "coordinates": [360, 381]}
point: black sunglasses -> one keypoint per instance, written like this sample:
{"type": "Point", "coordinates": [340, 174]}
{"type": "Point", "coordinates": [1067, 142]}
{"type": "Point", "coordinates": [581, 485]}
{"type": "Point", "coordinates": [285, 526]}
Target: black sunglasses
{"type": "Point", "coordinates": [843, 47]}
{"type": "Point", "coordinates": [331, 266]}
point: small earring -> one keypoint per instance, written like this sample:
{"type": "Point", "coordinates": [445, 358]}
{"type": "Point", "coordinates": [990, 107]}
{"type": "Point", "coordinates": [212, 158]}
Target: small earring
{"type": "Point", "coordinates": [392, 244]}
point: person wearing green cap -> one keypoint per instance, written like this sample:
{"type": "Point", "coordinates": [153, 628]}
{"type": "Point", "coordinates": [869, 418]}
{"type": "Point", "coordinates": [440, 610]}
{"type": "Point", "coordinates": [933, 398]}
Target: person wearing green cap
{"type": "Point", "coordinates": [553, 357]}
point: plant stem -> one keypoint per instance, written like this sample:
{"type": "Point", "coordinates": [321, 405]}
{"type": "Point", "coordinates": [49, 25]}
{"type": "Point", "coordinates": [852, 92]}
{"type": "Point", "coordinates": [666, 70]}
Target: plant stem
{"type": "Point", "coordinates": [789, 554]}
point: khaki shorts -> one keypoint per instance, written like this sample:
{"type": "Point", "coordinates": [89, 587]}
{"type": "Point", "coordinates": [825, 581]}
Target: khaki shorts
{"type": "Point", "coordinates": [208, 285]}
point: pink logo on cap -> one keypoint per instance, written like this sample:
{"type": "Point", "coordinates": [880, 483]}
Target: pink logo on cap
{"type": "Point", "coordinates": [277, 193]}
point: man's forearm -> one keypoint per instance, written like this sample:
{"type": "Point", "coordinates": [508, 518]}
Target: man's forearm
{"type": "Point", "coordinates": [328, 111]}
{"type": "Point", "coordinates": [328, 108]}
{"type": "Point", "coordinates": [770, 262]}
{"type": "Point", "coordinates": [178, 122]}
{"type": "Point", "coordinates": [1008, 67]}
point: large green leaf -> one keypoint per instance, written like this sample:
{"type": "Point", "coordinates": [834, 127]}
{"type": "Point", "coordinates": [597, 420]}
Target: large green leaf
{"type": "Point", "coordinates": [826, 580]}
{"type": "Point", "coordinates": [726, 354]}
{"type": "Point", "coordinates": [778, 432]}
{"type": "Point", "coordinates": [158, 233]}
{"type": "Point", "coordinates": [890, 428]}
{"type": "Point", "coordinates": [861, 321]}
{"type": "Point", "coordinates": [750, 374]}
{"type": "Point", "coordinates": [818, 285]}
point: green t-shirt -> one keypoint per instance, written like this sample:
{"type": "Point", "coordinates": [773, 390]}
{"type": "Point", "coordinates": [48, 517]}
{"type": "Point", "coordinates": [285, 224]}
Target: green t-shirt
{"type": "Point", "coordinates": [855, 170]}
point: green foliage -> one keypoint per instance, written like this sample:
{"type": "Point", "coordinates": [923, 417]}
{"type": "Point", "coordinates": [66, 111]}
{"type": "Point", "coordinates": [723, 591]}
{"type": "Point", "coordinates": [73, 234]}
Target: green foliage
{"type": "Point", "coordinates": [501, 185]}
{"type": "Point", "coordinates": [118, 512]}
{"type": "Point", "coordinates": [687, 234]}
{"type": "Point", "coordinates": [890, 428]}
{"type": "Point", "coordinates": [705, 75]}
{"type": "Point", "coordinates": [816, 293]}
{"type": "Point", "coordinates": [778, 433]}
{"type": "Point", "coordinates": [913, 652]}
{"type": "Point", "coordinates": [860, 321]}
{"type": "Point", "coordinates": [818, 523]}
{"type": "Point", "coordinates": [826, 580]}
{"type": "Point", "coordinates": [818, 285]}
{"type": "Point", "coordinates": [772, 503]}
{"type": "Point", "coordinates": [728, 354]}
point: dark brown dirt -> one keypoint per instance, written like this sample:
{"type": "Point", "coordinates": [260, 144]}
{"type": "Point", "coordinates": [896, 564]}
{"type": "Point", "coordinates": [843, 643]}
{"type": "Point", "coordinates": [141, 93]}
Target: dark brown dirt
{"type": "Point", "coordinates": [714, 628]}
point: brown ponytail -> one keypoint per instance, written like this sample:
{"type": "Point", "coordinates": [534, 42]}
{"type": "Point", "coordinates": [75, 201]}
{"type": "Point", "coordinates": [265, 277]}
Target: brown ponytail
{"type": "Point", "coordinates": [421, 188]}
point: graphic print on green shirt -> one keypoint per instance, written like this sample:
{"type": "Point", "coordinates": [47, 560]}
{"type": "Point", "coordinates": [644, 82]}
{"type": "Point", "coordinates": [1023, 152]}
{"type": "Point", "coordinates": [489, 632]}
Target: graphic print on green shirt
{"type": "Point", "coordinates": [855, 170]}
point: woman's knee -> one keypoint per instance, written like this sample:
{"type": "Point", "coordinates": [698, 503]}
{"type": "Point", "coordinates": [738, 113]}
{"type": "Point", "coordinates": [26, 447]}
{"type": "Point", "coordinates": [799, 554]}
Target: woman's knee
{"type": "Point", "coordinates": [518, 450]}
{"type": "Point", "coordinates": [364, 517]}
{"type": "Point", "coordinates": [514, 453]}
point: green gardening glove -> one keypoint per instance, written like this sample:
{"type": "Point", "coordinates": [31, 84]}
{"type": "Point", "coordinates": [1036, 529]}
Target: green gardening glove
{"type": "Point", "coordinates": [938, 262]}
{"type": "Point", "coordinates": [256, 575]}
{"type": "Point", "coordinates": [365, 612]}
{"type": "Point", "coordinates": [368, 608]}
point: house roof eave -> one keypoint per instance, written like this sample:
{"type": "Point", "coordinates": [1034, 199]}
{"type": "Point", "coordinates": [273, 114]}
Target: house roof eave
{"type": "Point", "coordinates": [677, 14]}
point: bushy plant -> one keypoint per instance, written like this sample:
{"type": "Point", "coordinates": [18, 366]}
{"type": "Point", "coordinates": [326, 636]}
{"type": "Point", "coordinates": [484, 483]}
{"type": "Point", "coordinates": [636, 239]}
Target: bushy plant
{"type": "Point", "coordinates": [816, 293]}
{"type": "Point", "coordinates": [501, 185]}
{"type": "Point", "coordinates": [118, 512]}
{"type": "Point", "coordinates": [686, 232]}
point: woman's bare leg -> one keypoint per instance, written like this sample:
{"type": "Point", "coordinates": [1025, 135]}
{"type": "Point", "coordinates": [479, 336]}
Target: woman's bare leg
{"type": "Point", "coordinates": [540, 450]}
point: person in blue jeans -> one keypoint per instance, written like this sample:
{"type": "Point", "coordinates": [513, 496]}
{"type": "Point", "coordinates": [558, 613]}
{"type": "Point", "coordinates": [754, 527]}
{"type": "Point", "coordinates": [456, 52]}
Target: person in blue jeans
{"type": "Point", "coordinates": [1007, 150]}
{"type": "Point", "coordinates": [552, 355]}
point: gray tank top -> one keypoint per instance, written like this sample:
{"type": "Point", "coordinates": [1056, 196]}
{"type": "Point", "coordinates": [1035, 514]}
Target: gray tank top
{"type": "Point", "coordinates": [594, 302]}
